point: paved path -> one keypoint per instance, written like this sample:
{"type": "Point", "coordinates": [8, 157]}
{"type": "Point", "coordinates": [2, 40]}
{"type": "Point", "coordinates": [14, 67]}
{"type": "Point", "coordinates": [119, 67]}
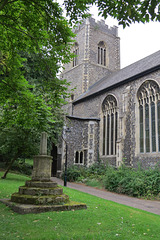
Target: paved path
{"type": "Point", "coordinates": [147, 205]}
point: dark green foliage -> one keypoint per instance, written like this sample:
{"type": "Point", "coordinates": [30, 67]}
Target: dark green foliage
{"type": "Point", "coordinates": [133, 182]}
{"type": "Point", "coordinates": [81, 173]}
{"type": "Point", "coordinates": [97, 168]}
{"type": "Point", "coordinates": [74, 173]}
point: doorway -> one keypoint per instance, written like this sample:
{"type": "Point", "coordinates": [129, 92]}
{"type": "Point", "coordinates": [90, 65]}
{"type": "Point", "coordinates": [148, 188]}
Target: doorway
{"type": "Point", "coordinates": [54, 162]}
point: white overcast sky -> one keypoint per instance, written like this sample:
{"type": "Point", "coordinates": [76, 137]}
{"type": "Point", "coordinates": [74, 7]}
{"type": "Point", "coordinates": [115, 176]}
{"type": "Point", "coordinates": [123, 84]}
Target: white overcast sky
{"type": "Point", "coordinates": [137, 41]}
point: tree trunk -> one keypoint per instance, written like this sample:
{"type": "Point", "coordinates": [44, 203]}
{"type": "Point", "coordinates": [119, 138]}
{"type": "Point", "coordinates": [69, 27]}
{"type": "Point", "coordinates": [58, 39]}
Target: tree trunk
{"type": "Point", "coordinates": [9, 167]}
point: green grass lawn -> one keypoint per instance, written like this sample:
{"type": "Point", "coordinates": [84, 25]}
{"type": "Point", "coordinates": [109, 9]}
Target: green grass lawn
{"type": "Point", "coordinates": [102, 220]}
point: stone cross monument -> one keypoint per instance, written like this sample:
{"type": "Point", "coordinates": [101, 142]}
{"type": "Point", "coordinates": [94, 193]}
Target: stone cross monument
{"type": "Point", "coordinates": [41, 194]}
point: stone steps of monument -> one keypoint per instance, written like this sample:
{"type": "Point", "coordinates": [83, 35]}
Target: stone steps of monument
{"type": "Point", "coordinates": [41, 184]}
{"type": "Point", "coordinates": [39, 200]}
{"type": "Point", "coordinates": [40, 191]}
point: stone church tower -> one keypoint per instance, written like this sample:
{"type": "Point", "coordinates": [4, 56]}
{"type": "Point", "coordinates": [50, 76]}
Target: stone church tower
{"type": "Point", "coordinates": [97, 50]}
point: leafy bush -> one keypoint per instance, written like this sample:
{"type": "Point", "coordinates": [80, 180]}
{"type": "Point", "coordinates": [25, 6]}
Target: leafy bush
{"type": "Point", "coordinates": [133, 182]}
{"type": "Point", "coordinates": [97, 168]}
{"type": "Point", "coordinates": [74, 172]}
{"type": "Point", "coordinates": [81, 173]}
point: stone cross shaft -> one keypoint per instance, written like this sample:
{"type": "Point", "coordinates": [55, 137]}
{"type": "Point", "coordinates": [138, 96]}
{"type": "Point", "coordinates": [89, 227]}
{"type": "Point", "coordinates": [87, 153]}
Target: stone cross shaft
{"type": "Point", "coordinates": [42, 163]}
{"type": "Point", "coordinates": [43, 144]}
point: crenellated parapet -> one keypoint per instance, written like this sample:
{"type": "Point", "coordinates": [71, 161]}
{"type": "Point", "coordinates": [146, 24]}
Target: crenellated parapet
{"type": "Point", "coordinates": [97, 25]}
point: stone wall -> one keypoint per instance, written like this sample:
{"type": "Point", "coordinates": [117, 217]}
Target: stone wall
{"type": "Point", "coordinates": [128, 125]}
{"type": "Point", "coordinates": [82, 135]}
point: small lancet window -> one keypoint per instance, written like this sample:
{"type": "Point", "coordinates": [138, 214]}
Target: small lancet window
{"type": "Point", "coordinates": [72, 97]}
{"type": "Point", "coordinates": [77, 157]}
{"type": "Point", "coordinates": [102, 53]}
{"type": "Point", "coordinates": [75, 52]}
{"type": "Point", "coordinates": [81, 157]}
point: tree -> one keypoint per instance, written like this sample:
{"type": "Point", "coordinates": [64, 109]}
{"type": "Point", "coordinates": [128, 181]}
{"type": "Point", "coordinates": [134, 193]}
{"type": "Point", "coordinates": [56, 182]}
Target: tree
{"type": "Point", "coordinates": [34, 27]}
{"type": "Point", "coordinates": [125, 12]}
{"type": "Point", "coordinates": [31, 100]}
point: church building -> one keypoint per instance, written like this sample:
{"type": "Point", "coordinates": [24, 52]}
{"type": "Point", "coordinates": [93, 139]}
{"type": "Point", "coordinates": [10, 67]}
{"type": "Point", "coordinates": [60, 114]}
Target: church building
{"type": "Point", "coordinates": [113, 114]}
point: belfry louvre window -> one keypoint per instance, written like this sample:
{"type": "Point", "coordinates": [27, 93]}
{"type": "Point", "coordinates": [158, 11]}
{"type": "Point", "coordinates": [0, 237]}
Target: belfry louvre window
{"type": "Point", "coordinates": [101, 53]}
{"type": "Point", "coordinates": [110, 121]}
{"type": "Point", "coordinates": [76, 52]}
{"type": "Point", "coordinates": [149, 117]}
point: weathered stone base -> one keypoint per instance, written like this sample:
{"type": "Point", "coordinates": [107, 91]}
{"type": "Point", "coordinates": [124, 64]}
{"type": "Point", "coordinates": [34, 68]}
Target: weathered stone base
{"type": "Point", "coordinates": [40, 196]}
{"type": "Point", "coordinates": [27, 208]}
{"type": "Point", "coordinates": [39, 200]}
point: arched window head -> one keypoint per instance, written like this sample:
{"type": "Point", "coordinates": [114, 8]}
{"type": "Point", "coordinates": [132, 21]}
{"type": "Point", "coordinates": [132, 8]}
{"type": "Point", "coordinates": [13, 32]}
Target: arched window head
{"type": "Point", "coordinates": [102, 53]}
{"type": "Point", "coordinates": [148, 89]}
{"type": "Point", "coordinates": [110, 121]}
{"type": "Point", "coordinates": [109, 103]}
{"type": "Point", "coordinates": [149, 117]}
{"type": "Point", "coordinates": [75, 52]}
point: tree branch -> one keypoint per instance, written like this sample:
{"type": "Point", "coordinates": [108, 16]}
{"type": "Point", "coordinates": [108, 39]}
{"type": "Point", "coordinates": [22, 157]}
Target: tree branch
{"type": "Point", "coordinates": [9, 166]}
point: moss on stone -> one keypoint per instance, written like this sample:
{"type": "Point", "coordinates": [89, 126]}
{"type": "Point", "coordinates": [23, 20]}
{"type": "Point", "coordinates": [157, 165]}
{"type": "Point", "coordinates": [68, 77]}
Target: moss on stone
{"type": "Point", "coordinates": [47, 199]}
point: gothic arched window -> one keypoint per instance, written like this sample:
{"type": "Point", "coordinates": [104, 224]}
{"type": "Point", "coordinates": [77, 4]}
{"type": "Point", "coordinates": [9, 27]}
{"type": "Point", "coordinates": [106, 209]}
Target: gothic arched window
{"type": "Point", "coordinates": [76, 52]}
{"type": "Point", "coordinates": [149, 117]}
{"type": "Point", "coordinates": [102, 53]}
{"type": "Point", "coordinates": [110, 121]}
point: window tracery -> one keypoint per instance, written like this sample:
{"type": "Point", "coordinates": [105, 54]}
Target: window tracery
{"type": "Point", "coordinates": [149, 117]}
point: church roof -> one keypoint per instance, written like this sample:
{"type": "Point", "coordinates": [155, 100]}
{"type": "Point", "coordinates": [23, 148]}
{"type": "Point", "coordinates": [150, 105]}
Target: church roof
{"type": "Point", "coordinates": [130, 73]}
{"type": "Point", "coordinates": [83, 118]}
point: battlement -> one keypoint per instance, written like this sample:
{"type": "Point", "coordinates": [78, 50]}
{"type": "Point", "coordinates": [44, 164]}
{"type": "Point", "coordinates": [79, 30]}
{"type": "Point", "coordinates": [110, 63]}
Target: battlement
{"type": "Point", "coordinates": [98, 25]}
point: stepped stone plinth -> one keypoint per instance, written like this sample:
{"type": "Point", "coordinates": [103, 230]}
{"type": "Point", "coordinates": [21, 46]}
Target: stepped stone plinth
{"type": "Point", "coordinates": [41, 194]}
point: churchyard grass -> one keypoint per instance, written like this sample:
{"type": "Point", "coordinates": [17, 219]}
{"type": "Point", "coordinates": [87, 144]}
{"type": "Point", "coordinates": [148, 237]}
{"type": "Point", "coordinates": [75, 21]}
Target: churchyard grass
{"type": "Point", "coordinates": [102, 220]}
